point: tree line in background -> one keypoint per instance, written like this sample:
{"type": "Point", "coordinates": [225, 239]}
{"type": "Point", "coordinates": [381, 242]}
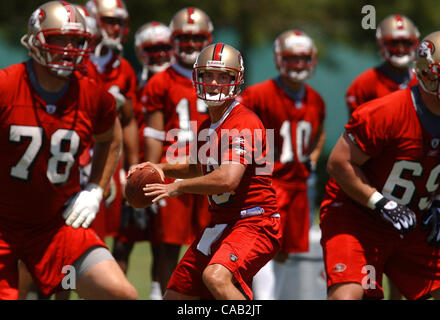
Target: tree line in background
{"type": "Point", "coordinates": [258, 21]}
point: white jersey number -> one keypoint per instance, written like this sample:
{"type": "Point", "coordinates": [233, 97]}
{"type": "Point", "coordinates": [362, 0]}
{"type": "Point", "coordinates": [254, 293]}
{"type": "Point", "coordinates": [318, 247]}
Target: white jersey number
{"type": "Point", "coordinates": [185, 133]}
{"type": "Point", "coordinates": [219, 199]}
{"type": "Point", "coordinates": [60, 139]}
{"type": "Point", "coordinates": [303, 133]}
{"type": "Point", "coordinates": [395, 182]}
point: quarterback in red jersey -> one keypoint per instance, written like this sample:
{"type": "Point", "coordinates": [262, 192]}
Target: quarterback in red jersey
{"type": "Point", "coordinates": [385, 168]}
{"type": "Point", "coordinates": [48, 116]}
{"type": "Point", "coordinates": [397, 38]}
{"type": "Point", "coordinates": [231, 166]}
{"type": "Point", "coordinates": [296, 114]}
{"type": "Point", "coordinates": [173, 114]}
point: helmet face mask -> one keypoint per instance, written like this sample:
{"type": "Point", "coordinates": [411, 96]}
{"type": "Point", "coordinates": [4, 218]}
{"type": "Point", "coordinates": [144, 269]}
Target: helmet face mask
{"type": "Point", "coordinates": [153, 47]}
{"type": "Point", "coordinates": [57, 38]}
{"type": "Point", "coordinates": [218, 74]}
{"type": "Point", "coordinates": [295, 55]}
{"type": "Point", "coordinates": [191, 31]}
{"type": "Point", "coordinates": [397, 38]}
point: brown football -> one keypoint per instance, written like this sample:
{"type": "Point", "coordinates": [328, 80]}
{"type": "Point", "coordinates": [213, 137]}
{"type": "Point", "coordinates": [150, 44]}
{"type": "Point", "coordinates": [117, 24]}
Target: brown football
{"type": "Point", "coordinates": [136, 182]}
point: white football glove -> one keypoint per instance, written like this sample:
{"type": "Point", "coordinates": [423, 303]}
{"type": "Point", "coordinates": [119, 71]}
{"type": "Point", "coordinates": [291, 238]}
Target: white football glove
{"type": "Point", "coordinates": [83, 206]}
{"type": "Point", "coordinates": [119, 97]}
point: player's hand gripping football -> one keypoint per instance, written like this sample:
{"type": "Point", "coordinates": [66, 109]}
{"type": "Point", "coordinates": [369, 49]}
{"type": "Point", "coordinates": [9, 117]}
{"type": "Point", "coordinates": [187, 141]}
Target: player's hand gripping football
{"type": "Point", "coordinates": [432, 220]}
{"type": "Point", "coordinates": [83, 206]}
{"type": "Point", "coordinates": [401, 217]}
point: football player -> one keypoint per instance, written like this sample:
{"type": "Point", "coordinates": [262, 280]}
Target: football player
{"type": "Point", "coordinates": [49, 115]}
{"type": "Point", "coordinates": [397, 39]}
{"type": "Point", "coordinates": [155, 53]}
{"type": "Point", "coordinates": [173, 115]}
{"type": "Point", "coordinates": [245, 227]}
{"type": "Point", "coordinates": [114, 73]}
{"type": "Point", "coordinates": [383, 188]}
{"type": "Point", "coordinates": [295, 112]}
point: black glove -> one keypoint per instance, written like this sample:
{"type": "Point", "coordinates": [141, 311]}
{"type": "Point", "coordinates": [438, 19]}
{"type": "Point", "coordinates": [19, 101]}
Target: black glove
{"type": "Point", "coordinates": [310, 166]}
{"type": "Point", "coordinates": [432, 219]}
{"type": "Point", "coordinates": [401, 217]}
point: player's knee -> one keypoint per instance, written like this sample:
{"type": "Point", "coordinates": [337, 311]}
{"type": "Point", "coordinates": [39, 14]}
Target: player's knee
{"type": "Point", "coordinates": [125, 291]}
{"type": "Point", "coordinates": [346, 291]}
{"type": "Point", "coordinates": [214, 277]}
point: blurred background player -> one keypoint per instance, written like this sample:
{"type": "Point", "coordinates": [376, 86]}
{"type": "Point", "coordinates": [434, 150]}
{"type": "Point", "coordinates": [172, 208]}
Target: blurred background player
{"type": "Point", "coordinates": [56, 116]}
{"type": "Point", "coordinates": [111, 70]}
{"type": "Point", "coordinates": [173, 107]}
{"type": "Point", "coordinates": [382, 192]}
{"type": "Point", "coordinates": [155, 53]}
{"type": "Point", "coordinates": [296, 114]}
{"type": "Point", "coordinates": [397, 38]}
{"type": "Point", "coordinates": [235, 172]}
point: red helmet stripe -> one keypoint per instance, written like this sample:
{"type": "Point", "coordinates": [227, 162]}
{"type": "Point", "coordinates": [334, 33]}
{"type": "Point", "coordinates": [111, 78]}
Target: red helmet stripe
{"type": "Point", "coordinates": [119, 3]}
{"type": "Point", "coordinates": [70, 11]}
{"type": "Point", "coordinates": [297, 32]}
{"type": "Point", "coordinates": [217, 54]}
{"type": "Point", "coordinates": [399, 21]}
{"type": "Point", "coordinates": [190, 13]}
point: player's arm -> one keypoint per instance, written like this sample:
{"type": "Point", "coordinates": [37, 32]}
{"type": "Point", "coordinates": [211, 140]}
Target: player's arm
{"type": "Point", "coordinates": [344, 165]}
{"type": "Point", "coordinates": [154, 136]}
{"type": "Point", "coordinates": [317, 147]}
{"type": "Point", "coordinates": [129, 134]}
{"type": "Point", "coordinates": [106, 155]}
{"type": "Point", "coordinates": [222, 180]}
{"type": "Point", "coordinates": [82, 207]}
{"type": "Point", "coordinates": [185, 170]}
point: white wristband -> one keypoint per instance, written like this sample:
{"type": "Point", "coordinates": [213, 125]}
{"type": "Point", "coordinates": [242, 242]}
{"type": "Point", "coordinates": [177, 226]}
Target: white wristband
{"type": "Point", "coordinates": [153, 133]}
{"type": "Point", "coordinates": [95, 189]}
{"type": "Point", "coordinates": [374, 198]}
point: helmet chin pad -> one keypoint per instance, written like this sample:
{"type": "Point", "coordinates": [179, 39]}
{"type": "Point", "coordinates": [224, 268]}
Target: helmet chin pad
{"type": "Point", "coordinates": [400, 62]}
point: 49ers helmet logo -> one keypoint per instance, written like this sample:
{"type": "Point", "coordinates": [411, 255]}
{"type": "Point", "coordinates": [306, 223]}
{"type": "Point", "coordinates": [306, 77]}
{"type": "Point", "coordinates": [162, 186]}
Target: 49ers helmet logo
{"type": "Point", "coordinates": [426, 48]}
{"type": "Point", "coordinates": [37, 18]}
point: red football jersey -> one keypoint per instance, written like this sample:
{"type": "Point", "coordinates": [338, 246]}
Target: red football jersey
{"type": "Point", "coordinates": [176, 97]}
{"type": "Point", "coordinates": [295, 126]}
{"type": "Point", "coordinates": [405, 158]}
{"type": "Point", "coordinates": [41, 143]}
{"type": "Point", "coordinates": [373, 84]}
{"type": "Point", "coordinates": [118, 73]}
{"type": "Point", "coordinates": [240, 137]}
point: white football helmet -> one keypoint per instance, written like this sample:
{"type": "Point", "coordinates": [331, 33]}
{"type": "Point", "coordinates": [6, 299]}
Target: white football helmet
{"type": "Point", "coordinates": [295, 55]}
{"type": "Point", "coordinates": [153, 46]}
{"type": "Point", "coordinates": [397, 38]}
{"type": "Point", "coordinates": [190, 21]}
{"type": "Point", "coordinates": [58, 18]}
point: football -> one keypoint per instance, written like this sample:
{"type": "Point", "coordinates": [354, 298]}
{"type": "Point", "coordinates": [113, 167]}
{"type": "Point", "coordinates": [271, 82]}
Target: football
{"type": "Point", "coordinates": [136, 182]}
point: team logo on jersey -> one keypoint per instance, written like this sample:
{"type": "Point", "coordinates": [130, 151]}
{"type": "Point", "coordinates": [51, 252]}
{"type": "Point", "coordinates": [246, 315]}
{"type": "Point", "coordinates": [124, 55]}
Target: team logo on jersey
{"type": "Point", "coordinates": [51, 109]}
{"type": "Point", "coordinates": [340, 267]}
{"type": "Point", "coordinates": [233, 257]}
{"type": "Point", "coordinates": [426, 49]}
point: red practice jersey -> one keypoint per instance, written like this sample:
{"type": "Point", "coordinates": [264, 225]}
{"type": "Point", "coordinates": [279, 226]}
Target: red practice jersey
{"type": "Point", "coordinates": [239, 137]}
{"type": "Point", "coordinates": [41, 143]}
{"type": "Point", "coordinates": [372, 84]}
{"type": "Point", "coordinates": [404, 163]}
{"type": "Point", "coordinates": [295, 126]}
{"type": "Point", "coordinates": [175, 95]}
